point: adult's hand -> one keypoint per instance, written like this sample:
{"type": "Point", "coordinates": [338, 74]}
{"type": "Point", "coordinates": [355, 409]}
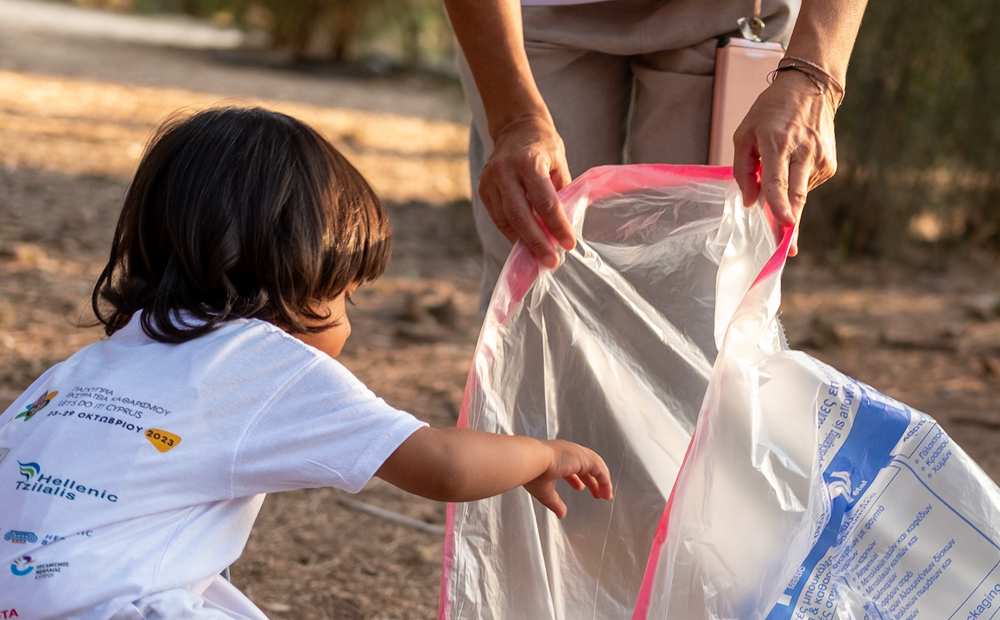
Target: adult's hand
{"type": "Point", "coordinates": [527, 166]}
{"type": "Point", "coordinates": [788, 138]}
{"type": "Point", "coordinates": [519, 184]}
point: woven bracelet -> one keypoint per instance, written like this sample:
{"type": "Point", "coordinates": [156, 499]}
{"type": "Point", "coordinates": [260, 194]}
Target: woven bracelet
{"type": "Point", "coordinates": [823, 81]}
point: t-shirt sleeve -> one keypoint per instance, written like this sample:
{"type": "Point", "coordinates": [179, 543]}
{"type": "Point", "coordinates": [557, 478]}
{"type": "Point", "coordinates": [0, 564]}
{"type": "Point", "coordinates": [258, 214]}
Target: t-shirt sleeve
{"type": "Point", "coordinates": [325, 428]}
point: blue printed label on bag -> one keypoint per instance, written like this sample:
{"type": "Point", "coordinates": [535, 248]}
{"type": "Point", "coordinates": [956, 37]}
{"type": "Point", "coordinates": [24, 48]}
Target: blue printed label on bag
{"type": "Point", "coordinates": [890, 542]}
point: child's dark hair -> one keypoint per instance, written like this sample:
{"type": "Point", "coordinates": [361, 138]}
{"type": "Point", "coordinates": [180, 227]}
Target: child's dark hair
{"type": "Point", "coordinates": [239, 212]}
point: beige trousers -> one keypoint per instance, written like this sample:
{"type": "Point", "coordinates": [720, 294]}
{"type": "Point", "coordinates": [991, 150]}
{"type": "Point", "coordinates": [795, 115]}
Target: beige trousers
{"type": "Point", "coordinates": [626, 81]}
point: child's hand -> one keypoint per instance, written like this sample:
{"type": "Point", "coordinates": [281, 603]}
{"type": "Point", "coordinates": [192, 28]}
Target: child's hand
{"type": "Point", "coordinates": [580, 467]}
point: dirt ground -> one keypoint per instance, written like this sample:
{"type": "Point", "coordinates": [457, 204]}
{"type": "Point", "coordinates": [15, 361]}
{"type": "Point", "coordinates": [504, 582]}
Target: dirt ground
{"type": "Point", "coordinates": [75, 111]}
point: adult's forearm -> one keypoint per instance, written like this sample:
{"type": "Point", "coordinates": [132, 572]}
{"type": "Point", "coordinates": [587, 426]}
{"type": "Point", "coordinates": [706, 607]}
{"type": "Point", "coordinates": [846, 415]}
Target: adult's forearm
{"type": "Point", "coordinates": [825, 32]}
{"type": "Point", "coordinates": [491, 37]}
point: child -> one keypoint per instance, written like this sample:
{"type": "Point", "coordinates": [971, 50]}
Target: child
{"type": "Point", "coordinates": [132, 472]}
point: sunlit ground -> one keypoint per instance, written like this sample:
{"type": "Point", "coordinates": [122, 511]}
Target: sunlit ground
{"type": "Point", "coordinates": [79, 126]}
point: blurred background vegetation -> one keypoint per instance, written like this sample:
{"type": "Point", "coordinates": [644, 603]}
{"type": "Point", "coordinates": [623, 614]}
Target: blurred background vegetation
{"type": "Point", "coordinates": [919, 133]}
{"type": "Point", "coordinates": [406, 33]}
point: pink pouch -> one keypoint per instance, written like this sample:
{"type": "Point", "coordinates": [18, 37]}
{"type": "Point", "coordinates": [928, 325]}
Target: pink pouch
{"type": "Point", "coordinates": [741, 70]}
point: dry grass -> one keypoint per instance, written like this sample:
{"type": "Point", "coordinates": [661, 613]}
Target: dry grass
{"type": "Point", "coordinates": [50, 122]}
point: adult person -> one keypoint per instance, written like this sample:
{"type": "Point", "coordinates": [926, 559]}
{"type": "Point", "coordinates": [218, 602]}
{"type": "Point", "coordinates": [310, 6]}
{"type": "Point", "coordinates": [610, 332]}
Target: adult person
{"type": "Point", "coordinates": [580, 83]}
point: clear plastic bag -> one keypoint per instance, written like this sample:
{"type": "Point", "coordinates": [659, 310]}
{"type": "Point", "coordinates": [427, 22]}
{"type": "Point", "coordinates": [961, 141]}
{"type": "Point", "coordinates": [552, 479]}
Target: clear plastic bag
{"type": "Point", "coordinates": [792, 498]}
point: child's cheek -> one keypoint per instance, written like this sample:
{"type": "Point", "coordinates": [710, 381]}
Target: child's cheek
{"type": "Point", "coordinates": [339, 337]}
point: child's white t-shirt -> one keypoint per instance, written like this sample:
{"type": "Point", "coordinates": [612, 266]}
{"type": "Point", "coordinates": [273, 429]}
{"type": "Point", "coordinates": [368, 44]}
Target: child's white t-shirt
{"type": "Point", "coordinates": [136, 467]}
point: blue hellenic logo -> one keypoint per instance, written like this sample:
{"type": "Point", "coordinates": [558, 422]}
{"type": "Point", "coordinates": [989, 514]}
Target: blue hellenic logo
{"type": "Point", "coordinates": [50, 484]}
{"type": "Point", "coordinates": [29, 470]}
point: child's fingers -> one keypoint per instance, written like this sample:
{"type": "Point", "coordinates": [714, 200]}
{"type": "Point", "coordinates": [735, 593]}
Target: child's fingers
{"type": "Point", "coordinates": [592, 485]}
{"type": "Point", "coordinates": [603, 476]}
{"type": "Point", "coordinates": [575, 482]}
{"type": "Point", "coordinates": [549, 498]}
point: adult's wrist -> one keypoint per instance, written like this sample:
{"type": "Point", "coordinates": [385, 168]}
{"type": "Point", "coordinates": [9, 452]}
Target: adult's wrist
{"type": "Point", "coordinates": [531, 117]}
{"type": "Point", "coordinates": [808, 85]}
{"type": "Point", "coordinates": [822, 79]}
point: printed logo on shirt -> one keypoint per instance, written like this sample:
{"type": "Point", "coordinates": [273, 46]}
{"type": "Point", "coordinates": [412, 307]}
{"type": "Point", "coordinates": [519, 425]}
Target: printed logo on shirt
{"type": "Point", "coordinates": [22, 566]}
{"type": "Point", "coordinates": [102, 406]}
{"type": "Point", "coordinates": [54, 538]}
{"type": "Point", "coordinates": [162, 440]}
{"type": "Point", "coordinates": [58, 486]}
{"type": "Point", "coordinates": [94, 417]}
{"type": "Point", "coordinates": [8, 613]}
{"type": "Point", "coordinates": [20, 537]}
{"type": "Point", "coordinates": [25, 565]}
{"type": "Point", "coordinates": [39, 404]}
{"type": "Point", "coordinates": [101, 401]}
{"type": "Point", "coordinates": [29, 470]}
{"type": "Point", "coordinates": [23, 537]}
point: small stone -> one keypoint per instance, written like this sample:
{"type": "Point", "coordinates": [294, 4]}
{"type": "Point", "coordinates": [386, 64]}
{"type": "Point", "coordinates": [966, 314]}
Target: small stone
{"type": "Point", "coordinates": [982, 307]}
{"type": "Point", "coordinates": [822, 334]}
{"type": "Point", "coordinates": [424, 332]}
{"type": "Point", "coordinates": [430, 305]}
{"type": "Point", "coordinates": [445, 312]}
{"type": "Point", "coordinates": [413, 310]}
{"type": "Point", "coordinates": [991, 365]}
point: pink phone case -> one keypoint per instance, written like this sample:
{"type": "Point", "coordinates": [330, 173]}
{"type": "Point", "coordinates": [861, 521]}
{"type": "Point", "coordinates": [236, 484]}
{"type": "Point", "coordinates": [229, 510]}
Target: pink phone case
{"type": "Point", "coordinates": [741, 68]}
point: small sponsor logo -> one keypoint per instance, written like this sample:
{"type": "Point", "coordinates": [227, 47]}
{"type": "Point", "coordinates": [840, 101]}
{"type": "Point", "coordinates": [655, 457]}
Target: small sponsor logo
{"type": "Point", "coordinates": [162, 440]}
{"type": "Point", "coordinates": [54, 538]}
{"type": "Point", "coordinates": [49, 569]}
{"type": "Point", "coordinates": [20, 537]}
{"type": "Point", "coordinates": [5, 614]}
{"type": "Point", "coordinates": [22, 566]}
{"type": "Point", "coordinates": [25, 565]}
{"type": "Point", "coordinates": [39, 404]}
{"type": "Point", "coordinates": [58, 486]}
{"type": "Point", "coordinates": [29, 470]}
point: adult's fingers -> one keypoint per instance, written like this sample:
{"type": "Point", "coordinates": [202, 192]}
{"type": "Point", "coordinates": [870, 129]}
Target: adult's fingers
{"type": "Point", "coordinates": [559, 174]}
{"type": "Point", "coordinates": [522, 221]}
{"type": "Point", "coordinates": [774, 183]}
{"type": "Point", "coordinates": [541, 194]}
{"type": "Point", "coordinates": [799, 175]}
{"type": "Point", "coordinates": [745, 166]}
{"type": "Point", "coordinates": [490, 195]}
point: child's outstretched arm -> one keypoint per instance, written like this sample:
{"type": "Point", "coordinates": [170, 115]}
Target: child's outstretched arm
{"type": "Point", "coordinates": [458, 465]}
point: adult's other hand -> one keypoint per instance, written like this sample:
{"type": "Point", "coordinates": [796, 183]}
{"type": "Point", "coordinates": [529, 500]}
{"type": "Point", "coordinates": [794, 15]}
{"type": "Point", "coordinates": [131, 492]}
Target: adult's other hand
{"type": "Point", "coordinates": [519, 184]}
{"type": "Point", "coordinates": [788, 137]}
